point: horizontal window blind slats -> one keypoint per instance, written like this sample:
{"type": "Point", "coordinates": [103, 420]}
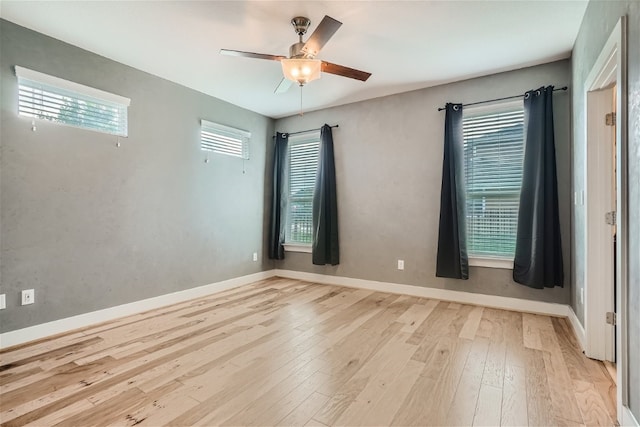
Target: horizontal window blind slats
{"type": "Point", "coordinates": [112, 121]}
{"type": "Point", "coordinates": [60, 105]}
{"type": "Point", "coordinates": [303, 165]}
{"type": "Point", "coordinates": [220, 137]}
{"type": "Point", "coordinates": [494, 150]}
{"type": "Point", "coordinates": [213, 143]}
{"type": "Point", "coordinates": [69, 105]}
{"type": "Point", "coordinates": [224, 140]}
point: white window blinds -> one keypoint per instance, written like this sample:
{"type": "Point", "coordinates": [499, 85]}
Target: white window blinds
{"type": "Point", "coordinates": [303, 166]}
{"type": "Point", "coordinates": [50, 98]}
{"type": "Point", "coordinates": [224, 139]}
{"type": "Point", "coordinates": [494, 152]}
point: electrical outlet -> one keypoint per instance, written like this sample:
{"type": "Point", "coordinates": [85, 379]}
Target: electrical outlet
{"type": "Point", "coordinates": [3, 301]}
{"type": "Point", "coordinates": [400, 264]}
{"type": "Point", "coordinates": [28, 296]}
{"type": "Point", "coordinates": [582, 296]}
{"type": "Point", "coordinates": [255, 256]}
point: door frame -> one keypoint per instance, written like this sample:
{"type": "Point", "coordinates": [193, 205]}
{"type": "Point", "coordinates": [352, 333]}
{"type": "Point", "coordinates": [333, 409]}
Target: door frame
{"type": "Point", "coordinates": [614, 52]}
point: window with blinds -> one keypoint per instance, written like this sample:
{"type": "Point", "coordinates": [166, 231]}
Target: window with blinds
{"type": "Point", "coordinates": [224, 140]}
{"type": "Point", "coordinates": [303, 166]}
{"type": "Point", "coordinates": [493, 155]}
{"type": "Point", "coordinates": [41, 96]}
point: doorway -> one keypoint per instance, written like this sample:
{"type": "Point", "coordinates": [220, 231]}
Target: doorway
{"type": "Point", "coordinates": [606, 213]}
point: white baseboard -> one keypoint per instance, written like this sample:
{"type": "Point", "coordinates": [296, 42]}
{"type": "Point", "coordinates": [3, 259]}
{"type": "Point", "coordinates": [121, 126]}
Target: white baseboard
{"type": "Point", "coordinates": [578, 329]}
{"type": "Point", "coordinates": [627, 418]}
{"type": "Point", "coordinates": [507, 303]}
{"type": "Point", "coordinates": [32, 333]}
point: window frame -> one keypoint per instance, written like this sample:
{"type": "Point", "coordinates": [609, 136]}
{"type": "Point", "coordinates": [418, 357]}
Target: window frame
{"type": "Point", "coordinates": [218, 129]}
{"type": "Point", "coordinates": [481, 260]}
{"type": "Point", "coordinates": [305, 138]}
{"type": "Point", "coordinates": [75, 92]}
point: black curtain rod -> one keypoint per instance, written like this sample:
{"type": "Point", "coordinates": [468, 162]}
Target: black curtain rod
{"type": "Point", "coordinates": [499, 99]}
{"type": "Point", "coordinates": [308, 130]}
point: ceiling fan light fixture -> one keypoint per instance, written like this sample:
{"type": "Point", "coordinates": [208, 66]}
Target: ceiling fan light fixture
{"type": "Point", "coordinates": [301, 70]}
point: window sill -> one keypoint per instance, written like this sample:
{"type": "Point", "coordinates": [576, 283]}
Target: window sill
{"type": "Point", "coordinates": [489, 262]}
{"type": "Point", "coordinates": [296, 247]}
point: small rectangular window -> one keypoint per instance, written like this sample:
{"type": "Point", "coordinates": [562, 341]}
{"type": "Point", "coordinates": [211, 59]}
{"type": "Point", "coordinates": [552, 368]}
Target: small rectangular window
{"type": "Point", "coordinates": [224, 139]}
{"type": "Point", "coordinates": [303, 166]}
{"type": "Point", "coordinates": [493, 154]}
{"type": "Point", "coordinates": [61, 101]}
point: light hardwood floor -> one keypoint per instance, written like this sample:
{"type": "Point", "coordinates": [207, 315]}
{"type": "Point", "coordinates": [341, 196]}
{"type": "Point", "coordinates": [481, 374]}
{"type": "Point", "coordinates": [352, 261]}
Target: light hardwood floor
{"type": "Point", "coordinates": [286, 352]}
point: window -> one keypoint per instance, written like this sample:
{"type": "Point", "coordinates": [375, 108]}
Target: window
{"type": "Point", "coordinates": [303, 165]}
{"type": "Point", "coordinates": [224, 140]}
{"type": "Point", "coordinates": [50, 98]}
{"type": "Point", "coordinates": [493, 155]}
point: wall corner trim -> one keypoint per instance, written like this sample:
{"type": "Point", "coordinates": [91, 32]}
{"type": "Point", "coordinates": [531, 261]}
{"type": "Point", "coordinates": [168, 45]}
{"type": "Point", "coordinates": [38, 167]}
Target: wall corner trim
{"type": "Point", "coordinates": [68, 324]}
{"type": "Point", "coordinates": [493, 301]}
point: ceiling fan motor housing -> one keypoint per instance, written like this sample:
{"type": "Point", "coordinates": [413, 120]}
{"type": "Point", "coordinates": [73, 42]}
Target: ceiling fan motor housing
{"type": "Point", "coordinates": [295, 51]}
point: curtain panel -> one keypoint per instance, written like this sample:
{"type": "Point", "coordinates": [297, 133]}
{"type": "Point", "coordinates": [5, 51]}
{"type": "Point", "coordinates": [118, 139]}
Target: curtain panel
{"type": "Point", "coordinates": [325, 249]}
{"type": "Point", "coordinates": [278, 199]}
{"type": "Point", "coordinates": [538, 256]}
{"type": "Point", "coordinates": [452, 260]}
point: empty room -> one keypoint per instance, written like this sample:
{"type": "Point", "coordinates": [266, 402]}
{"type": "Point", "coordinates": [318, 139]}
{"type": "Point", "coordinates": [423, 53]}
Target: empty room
{"type": "Point", "coordinates": [320, 213]}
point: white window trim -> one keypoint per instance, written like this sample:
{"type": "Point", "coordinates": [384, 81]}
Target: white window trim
{"type": "Point", "coordinates": [297, 247]}
{"type": "Point", "coordinates": [490, 262]}
{"type": "Point", "coordinates": [72, 86]}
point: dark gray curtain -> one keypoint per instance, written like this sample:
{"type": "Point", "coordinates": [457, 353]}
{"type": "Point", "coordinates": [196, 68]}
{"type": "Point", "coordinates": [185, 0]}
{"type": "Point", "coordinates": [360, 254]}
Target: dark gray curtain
{"type": "Point", "coordinates": [325, 248]}
{"type": "Point", "coordinates": [276, 230]}
{"type": "Point", "coordinates": [452, 258]}
{"type": "Point", "coordinates": [538, 258]}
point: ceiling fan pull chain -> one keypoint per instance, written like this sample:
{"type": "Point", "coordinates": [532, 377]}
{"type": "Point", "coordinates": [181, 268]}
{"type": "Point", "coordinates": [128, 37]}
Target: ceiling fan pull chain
{"type": "Point", "coordinates": [301, 112]}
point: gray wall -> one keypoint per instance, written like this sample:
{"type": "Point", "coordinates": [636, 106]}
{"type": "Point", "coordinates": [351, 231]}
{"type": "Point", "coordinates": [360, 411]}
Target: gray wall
{"type": "Point", "coordinates": [89, 225]}
{"type": "Point", "coordinates": [388, 155]}
{"type": "Point", "coordinates": [600, 19]}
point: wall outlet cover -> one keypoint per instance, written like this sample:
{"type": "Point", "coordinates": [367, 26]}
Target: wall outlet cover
{"type": "Point", "coordinates": [28, 296]}
{"type": "Point", "coordinates": [255, 256]}
{"type": "Point", "coordinates": [3, 301]}
{"type": "Point", "coordinates": [400, 264]}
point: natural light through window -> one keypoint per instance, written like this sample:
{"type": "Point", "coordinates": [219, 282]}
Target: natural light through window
{"type": "Point", "coordinates": [493, 156]}
{"type": "Point", "coordinates": [303, 165]}
{"type": "Point", "coordinates": [225, 140]}
{"type": "Point", "coordinates": [45, 97]}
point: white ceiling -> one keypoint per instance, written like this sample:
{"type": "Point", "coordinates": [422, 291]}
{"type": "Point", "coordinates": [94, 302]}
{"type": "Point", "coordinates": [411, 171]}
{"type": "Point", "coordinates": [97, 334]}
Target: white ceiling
{"type": "Point", "coordinates": [406, 45]}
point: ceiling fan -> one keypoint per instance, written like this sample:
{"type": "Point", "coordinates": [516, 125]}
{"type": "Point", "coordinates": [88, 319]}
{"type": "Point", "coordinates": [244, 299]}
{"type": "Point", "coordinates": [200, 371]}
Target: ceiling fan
{"type": "Point", "coordinates": [301, 66]}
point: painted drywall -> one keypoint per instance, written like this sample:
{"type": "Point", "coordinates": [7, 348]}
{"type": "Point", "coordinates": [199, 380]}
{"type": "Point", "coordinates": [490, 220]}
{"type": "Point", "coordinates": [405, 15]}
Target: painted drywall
{"type": "Point", "coordinates": [599, 20]}
{"type": "Point", "coordinates": [388, 154]}
{"type": "Point", "coordinates": [89, 225]}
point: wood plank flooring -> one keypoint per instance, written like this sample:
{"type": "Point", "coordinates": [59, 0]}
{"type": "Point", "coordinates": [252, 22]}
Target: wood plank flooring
{"type": "Point", "coordinates": [286, 352]}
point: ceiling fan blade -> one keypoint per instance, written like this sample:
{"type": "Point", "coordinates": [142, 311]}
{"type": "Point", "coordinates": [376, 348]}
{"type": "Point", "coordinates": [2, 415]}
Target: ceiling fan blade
{"type": "Point", "coordinates": [352, 73]}
{"type": "Point", "coordinates": [284, 86]}
{"type": "Point", "coordinates": [251, 55]}
{"type": "Point", "coordinates": [328, 26]}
